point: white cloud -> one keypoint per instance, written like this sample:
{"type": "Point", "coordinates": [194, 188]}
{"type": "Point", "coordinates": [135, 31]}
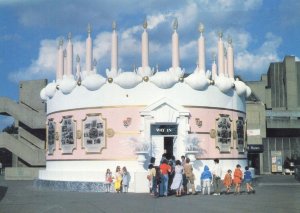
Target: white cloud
{"type": "Point", "coordinates": [229, 5]}
{"type": "Point", "coordinates": [247, 59]}
{"type": "Point", "coordinates": [42, 67]}
{"type": "Point", "coordinates": [257, 61]}
{"type": "Point", "coordinates": [155, 20]}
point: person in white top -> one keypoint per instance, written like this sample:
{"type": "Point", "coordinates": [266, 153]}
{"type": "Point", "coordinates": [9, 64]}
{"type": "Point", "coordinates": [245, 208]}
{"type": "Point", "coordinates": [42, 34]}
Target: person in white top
{"type": "Point", "coordinates": [217, 174]}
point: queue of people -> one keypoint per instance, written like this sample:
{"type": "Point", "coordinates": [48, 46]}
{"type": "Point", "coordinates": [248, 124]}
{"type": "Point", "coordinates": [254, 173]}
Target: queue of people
{"type": "Point", "coordinates": [177, 177]}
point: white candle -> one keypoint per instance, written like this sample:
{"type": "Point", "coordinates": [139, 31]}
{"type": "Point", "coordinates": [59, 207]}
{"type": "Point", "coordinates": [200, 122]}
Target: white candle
{"type": "Point", "coordinates": [175, 50]}
{"type": "Point", "coordinates": [65, 62]}
{"type": "Point", "coordinates": [201, 52]}
{"type": "Point", "coordinates": [145, 49]}
{"type": "Point", "coordinates": [114, 49]}
{"type": "Point", "coordinates": [230, 60]}
{"type": "Point", "coordinates": [214, 70]}
{"type": "Point", "coordinates": [78, 68]}
{"type": "Point", "coordinates": [220, 55]}
{"type": "Point", "coordinates": [89, 51]}
{"type": "Point", "coordinates": [225, 64]}
{"type": "Point", "coordinates": [60, 61]}
{"type": "Point", "coordinates": [69, 57]}
{"type": "Point", "coordinates": [201, 49]}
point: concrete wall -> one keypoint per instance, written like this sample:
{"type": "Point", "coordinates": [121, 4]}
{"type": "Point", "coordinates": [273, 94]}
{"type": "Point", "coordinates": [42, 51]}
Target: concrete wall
{"type": "Point", "coordinates": [277, 108]}
{"type": "Point", "coordinates": [21, 173]}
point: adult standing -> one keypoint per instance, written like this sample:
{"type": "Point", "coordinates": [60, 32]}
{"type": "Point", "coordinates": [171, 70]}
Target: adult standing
{"type": "Point", "coordinates": [217, 174]}
{"type": "Point", "coordinates": [118, 179]}
{"type": "Point", "coordinates": [184, 180]}
{"type": "Point", "coordinates": [165, 168]}
{"type": "Point", "coordinates": [177, 180]}
{"type": "Point", "coordinates": [125, 180]}
{"type": "Point", "coordinates": [188, 171]}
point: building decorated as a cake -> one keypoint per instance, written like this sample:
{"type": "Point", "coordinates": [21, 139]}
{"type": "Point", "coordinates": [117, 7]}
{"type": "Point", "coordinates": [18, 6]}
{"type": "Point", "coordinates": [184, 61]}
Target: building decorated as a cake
{"type": "Point", "coordinates": [95, 122]}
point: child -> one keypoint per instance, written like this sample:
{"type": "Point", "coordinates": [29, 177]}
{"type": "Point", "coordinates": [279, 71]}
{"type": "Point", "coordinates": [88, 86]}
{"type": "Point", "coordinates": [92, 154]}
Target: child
{"type": "Point", "coordinates": [125, 180]}
{"type": "Point", "coordinates": [108, 180]}
{"type": "Point", "coordinates": [152, 180]}
{"type": "Point", "coordinates": [237, 179]}
{"type": "Point", "coordinates": [248, 180]}
{"type": "Point", "coordinates": [206, 178]}
{"type": "Point", "coordinates": [228, 181]}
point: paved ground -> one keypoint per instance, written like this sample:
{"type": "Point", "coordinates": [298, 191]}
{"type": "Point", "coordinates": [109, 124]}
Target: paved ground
{"type": "Point", "coordinates": [275, 193]}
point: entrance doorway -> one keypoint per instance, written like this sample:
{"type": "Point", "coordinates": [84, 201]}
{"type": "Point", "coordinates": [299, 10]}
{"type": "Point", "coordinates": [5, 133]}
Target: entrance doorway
{"type": "Point", "coordinates": [253, 161]}
{"type": "Point", "coordinates": [168, 146]}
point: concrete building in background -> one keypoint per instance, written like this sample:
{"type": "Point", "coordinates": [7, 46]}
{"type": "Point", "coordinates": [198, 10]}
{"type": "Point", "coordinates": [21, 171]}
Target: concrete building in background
{"type": "Point", "coordinates": [273, 117]}
{"type": "Point", "coordinates": [28, 145]}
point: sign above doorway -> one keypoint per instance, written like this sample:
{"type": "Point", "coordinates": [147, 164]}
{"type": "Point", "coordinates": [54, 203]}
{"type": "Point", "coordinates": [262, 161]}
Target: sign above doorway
{"type": "Point", "coordinates": [158, 129]}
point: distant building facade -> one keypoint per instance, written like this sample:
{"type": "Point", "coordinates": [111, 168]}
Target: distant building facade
{"type": "Point", "coordinates": [273, 116]}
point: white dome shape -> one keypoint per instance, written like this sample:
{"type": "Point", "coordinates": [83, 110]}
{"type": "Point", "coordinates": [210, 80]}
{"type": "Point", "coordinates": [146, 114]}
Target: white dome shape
{"type": "Point", "coordinates": [240, 87]}
{"type": "Point", "coordinates": [43, 94]}
{"type": "Point", "coordinates": [128, 80]}
{"type": "Point", "coordinates": [67, 85]}
{"type": "Point", "coordinates": [197, 81]}
{"type": "Point", "coordinates": [145, 71]}
{"type": "Point", "coordinates": [223, 83]}
{"type": "Point", "coordinates": [248, 91]}
{"type": "Point", "coordinates": [50, 89]}
{"type": "Point", "coordinates": [93, 82]}
{"type": "Point", "coordinates": [164, 80]}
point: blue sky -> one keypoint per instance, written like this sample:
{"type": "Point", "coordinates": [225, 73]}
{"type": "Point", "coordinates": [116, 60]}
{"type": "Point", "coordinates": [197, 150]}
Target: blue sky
{"type": "Point", "coordinates": [262, 31]}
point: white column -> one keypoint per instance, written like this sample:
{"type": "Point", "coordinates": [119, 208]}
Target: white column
{"type": "Point", "coordinates": [230, 59]}
{"type": "Point", "coordinates": [78, 68]}
{"type": "Point", "coordinates": [214, 69]}
{"type": "Point", "coordinates": [114, 48]}
{"type": "Point", "coordinates": [89, 50]}
{"type": "Point", "coordinates": [145, 47]}
{"type": "Point", "coordinates": [225, 63]}
{"type": "Point", "coordinates": [60, 61]}
{"type": "Point", "coordinates": [201, 49]}
{"type": "Point", "coordinates": [65, 62]}
{"type": "Point", "coordinates": [220, 55]}
{"type": "Point", "coordinates": [175, 46]}
{"type": "Point", "coordinates": [69, 56]}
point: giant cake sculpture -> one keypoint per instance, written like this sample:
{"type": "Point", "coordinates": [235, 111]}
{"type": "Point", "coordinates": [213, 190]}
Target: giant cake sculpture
{"type": "Point", "coordinates": [95, 122]}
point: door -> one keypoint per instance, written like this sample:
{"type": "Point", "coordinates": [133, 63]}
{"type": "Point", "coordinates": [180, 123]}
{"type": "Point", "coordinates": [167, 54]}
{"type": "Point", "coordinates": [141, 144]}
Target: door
{"type": "Point", "coordinates": [168, 146]}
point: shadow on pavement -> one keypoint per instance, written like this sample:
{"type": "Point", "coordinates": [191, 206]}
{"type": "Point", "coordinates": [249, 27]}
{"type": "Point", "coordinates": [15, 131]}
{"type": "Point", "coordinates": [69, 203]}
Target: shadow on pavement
{"type": "Point", "coordinates": [3, 191]}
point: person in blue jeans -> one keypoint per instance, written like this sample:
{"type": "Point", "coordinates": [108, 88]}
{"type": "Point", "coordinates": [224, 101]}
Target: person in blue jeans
{"type": "Point", "coordinates": [165, 168]}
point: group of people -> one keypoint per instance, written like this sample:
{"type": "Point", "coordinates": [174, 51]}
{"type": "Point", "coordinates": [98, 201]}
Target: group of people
{"type": "Point", "coordinates": [173, 175]}
{"type": "Point", "coordinates": [119, 181]}
{"type": "Point", "coordinates": [178, 177]}
{"type": "Point", "coordinates": [214, 178]}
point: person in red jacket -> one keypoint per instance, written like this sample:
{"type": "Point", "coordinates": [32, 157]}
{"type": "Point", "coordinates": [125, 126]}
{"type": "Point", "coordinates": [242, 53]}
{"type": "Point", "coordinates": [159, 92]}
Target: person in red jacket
{"type": "Point", "coordinates": [237, 179]}
{"type": "Point", "coordinates": [165, 169]}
